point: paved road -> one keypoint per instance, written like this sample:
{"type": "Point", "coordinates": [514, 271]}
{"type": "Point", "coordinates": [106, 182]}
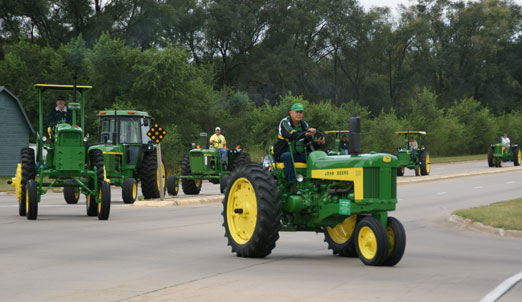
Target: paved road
{"type": "Point", "coordinates": [180, 254]}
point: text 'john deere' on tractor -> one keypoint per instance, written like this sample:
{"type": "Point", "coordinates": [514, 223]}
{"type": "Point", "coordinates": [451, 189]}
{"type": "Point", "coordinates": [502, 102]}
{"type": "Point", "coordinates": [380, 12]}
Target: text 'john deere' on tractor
{"type": "Point", "coordinates": [67, 165]}
{"type": "Point", "coordinates": [346, 197]}
{"type": "Point", "coordinates": [129, 154]}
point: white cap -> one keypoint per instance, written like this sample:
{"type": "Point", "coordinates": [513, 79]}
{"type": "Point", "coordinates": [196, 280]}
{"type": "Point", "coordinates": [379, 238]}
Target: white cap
{"type": "Point", "coordinates": [217, 128]}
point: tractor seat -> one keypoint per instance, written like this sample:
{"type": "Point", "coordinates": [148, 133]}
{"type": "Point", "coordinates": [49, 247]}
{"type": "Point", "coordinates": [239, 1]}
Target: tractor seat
{"type": "Point", "coordinates": [298, 165]}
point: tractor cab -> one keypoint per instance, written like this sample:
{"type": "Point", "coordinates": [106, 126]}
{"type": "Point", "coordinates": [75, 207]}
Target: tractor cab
{"type": "Point", "coordinates": [410, 157]}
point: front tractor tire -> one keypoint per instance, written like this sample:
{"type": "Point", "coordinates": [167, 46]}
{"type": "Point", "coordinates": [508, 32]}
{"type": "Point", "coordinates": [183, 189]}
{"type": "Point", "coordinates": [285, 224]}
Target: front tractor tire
{"type": "Point", "coordinates": [31, 199]}
{"type": "Point", "coordinates": [400, 171]}
{"type": "Point", "coordinates": [149, 175]}
{"type": "Point", "coordinates": [251, 212]}
{"type": "Point", "coordinates": [104, 206]}
{"type": "Point", "coordinates": [340, 238]}
{"type": "Point", "coordinates": [71, 194]}
{"type": "Point", "coordinates": [491, 159]}
{"type": "Point", "coordinates": [129, 190]}
{"type": "Point", "coordinates": [190, 186]}
{"type": "Point", "coordinates": [371, 241]}
{"type": "Point", "coordinates": [173, 185]}
{"type": "Point", "coordinates": [517, 156]}
{"type": "Point", "coordinates": [28, 172]}
{"type": "Point", "coordinates": [425, 165]}
{"type": "Point", "coordinates": [397, 239]}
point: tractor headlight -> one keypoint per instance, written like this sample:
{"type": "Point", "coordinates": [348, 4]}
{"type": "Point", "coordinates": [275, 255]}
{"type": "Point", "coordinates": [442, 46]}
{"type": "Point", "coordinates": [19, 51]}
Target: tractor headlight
{"type": "Point", "coordinates": [44, 138]}
{"type": "Point", "coordinates": [299, 178]}
{"type": "Point", "coordinates": [85, 139]}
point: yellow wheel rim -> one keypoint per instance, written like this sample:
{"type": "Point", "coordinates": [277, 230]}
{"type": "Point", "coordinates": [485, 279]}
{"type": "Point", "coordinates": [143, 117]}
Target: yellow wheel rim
{"type": "Point", "coordinates": [391, 236]}
{"type": "Point", "coordinates": [197, 182]}
{"type": "Point", "coordinates": [26, 199]}
{"type": "Point", "coordinates": [367, 242]}
{"type": "Point", "coordinates": [176, 185]}
{"type": "Point", "coordinates": [76, 194]}
{"type": "Point", "coordinates": [519, 155]}
{"type": "Point", "coordinates": [241, 210]}
{"type": "Point", "coordinates": [17, 182]}
{"type": "Point", "coordinates": [343, 231]}
{"type": "Point", "coordinates": [402, 170]}
{"type": "Point", "coordinates": [428, 163]}
{"type": "Point", "coordinates": [162, 174]}
{"type": "Point", "coordinates": [134, 190]}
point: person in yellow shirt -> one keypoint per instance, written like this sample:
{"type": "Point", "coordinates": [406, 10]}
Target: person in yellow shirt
{"type": "Point", "coordinates": [218, 141]}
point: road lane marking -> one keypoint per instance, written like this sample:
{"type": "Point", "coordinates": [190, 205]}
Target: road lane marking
{"type": "Point", "coordinates": [510, 182]}
{"type": "Point", "coordinates": [442, 193]}
{"type": "Point", "coordinates": [502, 288]}
{"type": "Point", "coordinates": [478, 187]}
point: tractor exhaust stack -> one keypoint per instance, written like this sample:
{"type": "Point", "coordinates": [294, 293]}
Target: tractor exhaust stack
{"type": "Point", "coordinates": [355, 136]}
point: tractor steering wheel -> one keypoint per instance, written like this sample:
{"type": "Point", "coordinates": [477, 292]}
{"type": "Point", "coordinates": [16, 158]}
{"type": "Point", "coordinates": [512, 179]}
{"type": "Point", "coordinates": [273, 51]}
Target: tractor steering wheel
{"type": "Point", "coordinates": [310, 143]}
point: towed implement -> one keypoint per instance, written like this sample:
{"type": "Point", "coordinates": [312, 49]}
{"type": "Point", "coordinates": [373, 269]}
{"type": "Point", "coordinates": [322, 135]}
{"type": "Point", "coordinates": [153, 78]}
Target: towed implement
{"type": "Point", "coordinates": [68, 163]}
{"type": "Point", "coordinates": [346, 197]}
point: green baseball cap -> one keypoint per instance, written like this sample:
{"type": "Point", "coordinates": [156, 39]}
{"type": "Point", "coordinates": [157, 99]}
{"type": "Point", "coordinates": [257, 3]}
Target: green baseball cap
{"type": "Point", "coordinates": [297, 107]}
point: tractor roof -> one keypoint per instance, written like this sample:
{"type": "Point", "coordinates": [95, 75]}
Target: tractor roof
{"type": "Point", "coordinates": [336, 131]}
{"type": "Point", "coordinates": [411, 132]}
{"type": "Point", "coordinates": [81, 88]}
{"type": "Point", "coordinates": [123, 113]}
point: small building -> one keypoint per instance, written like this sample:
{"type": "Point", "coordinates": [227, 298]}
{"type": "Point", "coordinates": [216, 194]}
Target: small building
{"type": "Point", "coordinates": [15, 129]}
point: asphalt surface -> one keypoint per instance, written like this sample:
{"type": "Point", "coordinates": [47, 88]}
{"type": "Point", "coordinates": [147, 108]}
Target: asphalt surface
{"type": "Point", "coordinates": [180, 254]}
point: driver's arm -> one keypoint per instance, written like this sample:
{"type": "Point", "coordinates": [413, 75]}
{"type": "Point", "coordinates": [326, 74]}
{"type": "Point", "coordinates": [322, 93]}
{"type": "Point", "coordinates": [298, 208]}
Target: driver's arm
{"type": "Point", "coordinates": [286, 130]}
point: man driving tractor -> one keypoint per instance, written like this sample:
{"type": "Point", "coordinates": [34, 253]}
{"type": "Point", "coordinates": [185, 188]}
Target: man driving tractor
{"type": "Point", "coordinates": [59, 113]}
{"type": "Point", "coordinates": [292, 128]}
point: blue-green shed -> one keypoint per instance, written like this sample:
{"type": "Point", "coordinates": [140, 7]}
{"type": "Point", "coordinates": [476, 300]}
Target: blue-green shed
{"type": "Point", "coordinates": [15, 129]}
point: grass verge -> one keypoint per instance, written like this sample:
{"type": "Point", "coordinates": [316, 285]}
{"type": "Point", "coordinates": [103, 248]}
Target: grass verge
{"type": "Point", "coordinates": [454, 159]}
{"type": "Point", "coordinates": [4, 187]}
{"type": "Point", "coordinates": [503, 214]}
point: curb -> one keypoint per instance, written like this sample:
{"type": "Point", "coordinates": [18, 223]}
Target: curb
{"type": "Point", "coordinates": [179, 201]}
{"type": "Point", "coordinates": [404, 181]}
{"type": "Point", "coordinates": [477, 226]}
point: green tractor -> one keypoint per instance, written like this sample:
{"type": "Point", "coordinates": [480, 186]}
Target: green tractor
{"type": "Point", "coordinates": [336, 150]}
{"type": "Point", "coordinates": [345, 197]}
{"type": "Point", "coordinates": [498, 153]}
{"type": "Point", "coordinates": [417, 159]}
{"type": "Point", "coordinates": [68, 164]}
{"type": "Point", "coordinates": [129, 154]}
{"type": "Point", "coordinates": [200, 164]}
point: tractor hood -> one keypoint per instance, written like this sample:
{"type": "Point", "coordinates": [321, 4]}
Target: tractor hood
{"type": "Point", "coordinates": [319, 160]}
{"type": "Point", "coordinates": [64, 127]}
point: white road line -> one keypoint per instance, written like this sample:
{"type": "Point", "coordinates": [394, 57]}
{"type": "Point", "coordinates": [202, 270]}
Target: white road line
{"type": "Point", "coordinates": [478, 187]}
{"type": "Point", "coordinates": [502, 288]}
{"type": "Point", "coordinates": [442, 193]}
{"type": "Point", "coordinates": [510, 182]}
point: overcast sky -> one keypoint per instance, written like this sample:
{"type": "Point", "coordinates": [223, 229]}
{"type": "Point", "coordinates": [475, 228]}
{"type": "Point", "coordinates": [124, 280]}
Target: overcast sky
{"type": "Point", "coordinates": [393, 4]}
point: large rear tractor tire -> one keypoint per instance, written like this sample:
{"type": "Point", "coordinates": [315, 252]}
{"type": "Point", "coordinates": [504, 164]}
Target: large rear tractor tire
{"type": "Point", "coordinates": [400, 171]}
{"type": "Point", "coordinates": [149, 175]}
{"type": "Point", "coordinates": [28, 173]}
{"type": "Point", "coordinates": [397, 240]}
{"type": "Point", "coordinates": [104, 206]}
{"type": "Point", "coordinates": [223, 183]}
{"type": "Point", "coordinates": [251, 212]}
{"type": "Point", "coordinates": [95, 160]}
{"type": "Point", "coordinates": [173, 185]}
{"type": "Point", "coordinates": [371, 241]}
{"type": "Point", "coordinates": [425, 165]}
{"type": "Point", "coordinates": [491, 159]}
{"type": "Point", "coordinates": [241, 159]}
{"type": "Point", "coordinates": [190, 186]}
{"type": "Point", "coordinates": [129, 190]}
{"type": "Point", "coordinates": [517, 156]}
{"type": "Point", "coordinates": [340, 238]}
{"type": "Point", "coordinates": [31, 199]}
{"type": "Point", "coordinates": [71, 194]}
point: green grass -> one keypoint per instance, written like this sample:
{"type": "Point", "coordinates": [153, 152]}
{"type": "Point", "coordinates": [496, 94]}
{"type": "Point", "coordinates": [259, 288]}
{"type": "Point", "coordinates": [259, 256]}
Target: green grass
{"type": "Point", "coordinates": [503, 214]}
{"type": "Point", "coordinates": [454, 159]}
{"type": "Point", "coordinates": [4, 187]}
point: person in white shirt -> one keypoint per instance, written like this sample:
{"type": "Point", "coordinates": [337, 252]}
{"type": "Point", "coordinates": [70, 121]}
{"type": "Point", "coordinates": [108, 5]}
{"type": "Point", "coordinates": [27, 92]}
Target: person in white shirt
{"type": "Point", "coordinates": [506, 142]}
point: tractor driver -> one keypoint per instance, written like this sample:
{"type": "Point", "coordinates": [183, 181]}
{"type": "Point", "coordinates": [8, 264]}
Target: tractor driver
{"type": "Point", "coordinates": [506, 142]}
{"type": "Point", "coordinates": [219, 142]}
{"type": "Point", "coordinates": [413, 145]}
{"type": "Point", "coordinates": [290, 128]}
{"type": "Point", "coordinates": [59, 113]}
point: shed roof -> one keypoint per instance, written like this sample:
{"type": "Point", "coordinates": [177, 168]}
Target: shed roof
{"type": "Point", "coordinates": [2, 88]}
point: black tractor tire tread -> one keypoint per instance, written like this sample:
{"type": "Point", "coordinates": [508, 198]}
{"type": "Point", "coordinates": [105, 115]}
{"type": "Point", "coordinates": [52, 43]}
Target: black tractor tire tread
{"type": "Point", "coordinates": [516, 162]}
{"type": "Point", "coordinates": [491, 159]}
{"type": "Point", "coordinates": [241, 159]}
{"type": "Point", "coordinates": [189, 185]}
{"type": "Point", "coordinates": [400, 171]}
{"type": "Point", "coordinates": [127, 189]}
{"type": "Point", "coordinates": [148, 175]}
{"type": "Point", "coordinates": [223, 183]}
{"type": "Point", "coordinates": [32, 190]}
{"type": "Point", "coordinates": [28, 172]}
{"type": "Point", "coordinates": [172, 186]}
{"type": "Point", "coordinates": [105, 210]}
{"type": "Point", "coordinates": [346, 249]}
{"type": "Point", "coordinates": [268, 224]}
{"type": "Point", "coordinates": [397, 251]}
{"type": "Point", "coordinates": [69, 194]}
{"type": "Point", "coordinates": [423, 167]}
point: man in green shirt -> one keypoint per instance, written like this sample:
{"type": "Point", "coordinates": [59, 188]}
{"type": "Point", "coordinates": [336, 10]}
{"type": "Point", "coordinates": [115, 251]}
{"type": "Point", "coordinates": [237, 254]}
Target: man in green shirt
{"type": "Point", "coordinates": [291, 128]}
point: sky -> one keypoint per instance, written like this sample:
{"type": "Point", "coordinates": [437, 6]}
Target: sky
{"type": "Point", "coordinates": [393, 4]}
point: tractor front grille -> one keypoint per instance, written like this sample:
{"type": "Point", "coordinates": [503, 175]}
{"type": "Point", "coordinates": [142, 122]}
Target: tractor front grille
{"type": "Point", "coordinates": [371, 183]}
{"type": "Point", "coordinates": [394, 183]}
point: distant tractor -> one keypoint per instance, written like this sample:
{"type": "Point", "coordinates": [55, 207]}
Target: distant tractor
{"type": "Point", "coordinates": [205, 164]}
{"type": "Point", "coordinates": [129, 154]}
{"type": "Point", "coordinates": [338, 134]}
{"type": "Point", "coordinates": [345, 197]}
{"type": "Point", "coordinates": [497, 154]}
{"type": "Point", "coordinates": [68, 163]}
{"type": "Point", "coordinates": [416, 159]}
